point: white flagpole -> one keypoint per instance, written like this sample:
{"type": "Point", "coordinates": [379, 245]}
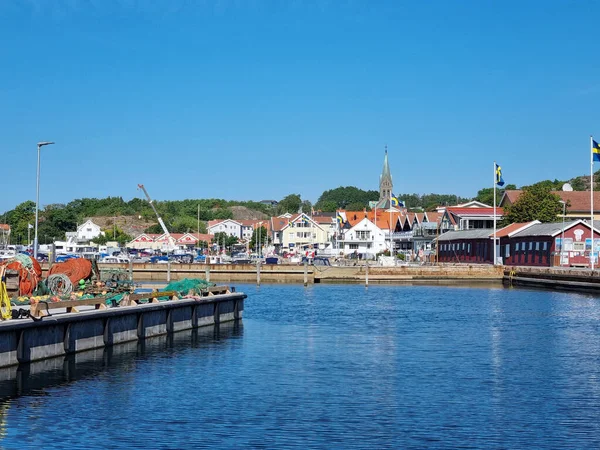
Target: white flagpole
{"type": "Point", "coordinates": [391, 243]}
{"type": "Point", "coordinates": [592, 197]}
{"type": "Point", "coordinates": [495, 176]}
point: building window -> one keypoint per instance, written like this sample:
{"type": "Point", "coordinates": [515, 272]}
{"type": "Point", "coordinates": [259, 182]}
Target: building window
{"type": "Point", "coordinates": [537, 246]}
{"type": "Point", "coordinates": [353, 246]}
{"type": "Point", "coordinates": [530, 246]}
{"type": "Point", "coordinates": [545, 246]}
{"type": "Point", "coordinates": [291, 235]}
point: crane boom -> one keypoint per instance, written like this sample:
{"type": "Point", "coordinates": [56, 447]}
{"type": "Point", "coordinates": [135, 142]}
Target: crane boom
{"type": "Point", "coordinates": [160, 221]}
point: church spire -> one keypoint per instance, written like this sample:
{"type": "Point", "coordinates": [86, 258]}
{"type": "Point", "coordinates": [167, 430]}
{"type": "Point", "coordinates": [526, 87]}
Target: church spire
{"type": "Point", "coordinates": [385, 180]}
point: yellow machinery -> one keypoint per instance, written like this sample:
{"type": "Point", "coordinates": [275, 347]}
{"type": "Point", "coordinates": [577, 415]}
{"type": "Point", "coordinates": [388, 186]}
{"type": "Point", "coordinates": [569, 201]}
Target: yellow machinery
{"type": "Point", "coordinates": [5, 307]}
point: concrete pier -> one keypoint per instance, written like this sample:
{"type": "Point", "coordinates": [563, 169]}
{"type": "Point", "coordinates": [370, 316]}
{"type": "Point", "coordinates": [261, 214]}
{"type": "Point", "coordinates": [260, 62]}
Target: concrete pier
{"type": "Point", "coordinates": [24, 340]}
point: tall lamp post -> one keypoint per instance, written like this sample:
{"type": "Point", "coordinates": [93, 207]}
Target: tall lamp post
{"type": "Point", "coordinates": [562, 236]}
{"type": "Point", "coordinates": [37, 198]}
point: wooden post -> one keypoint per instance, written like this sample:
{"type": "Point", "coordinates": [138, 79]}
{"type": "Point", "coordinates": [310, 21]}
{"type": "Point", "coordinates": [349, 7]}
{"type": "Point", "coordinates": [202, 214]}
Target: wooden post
{"type": "Point", "coordinates": [207, 273]}
{"type": "Point", "coordinates": [306, 273]}
{"type": "Point", "coordinates": [258, 272]}
{"type": "Point", "coordinates": [130, 270]}
{"type": "Point", "coordinates": [168, 271]}
{"type": "Point", "coordinates": [367, 274]}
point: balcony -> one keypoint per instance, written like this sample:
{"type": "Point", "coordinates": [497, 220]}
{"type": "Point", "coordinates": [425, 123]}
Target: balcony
{"type": "Point", "coordinates": [402, 236]}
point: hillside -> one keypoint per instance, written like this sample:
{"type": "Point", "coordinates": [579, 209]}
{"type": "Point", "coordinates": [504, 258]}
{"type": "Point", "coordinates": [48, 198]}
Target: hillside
{"type": "Point", "coordinates": [244, 213]}
{"type": "Point", "coordinates": [135, 225]}
{"type": "Point", "coordinates": [131, 225]}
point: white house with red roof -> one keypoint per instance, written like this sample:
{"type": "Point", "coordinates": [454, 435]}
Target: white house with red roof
{"type": "Point", "coordinates": [182, 241]}
{"type": "Point", "coordinates": [228, 226]}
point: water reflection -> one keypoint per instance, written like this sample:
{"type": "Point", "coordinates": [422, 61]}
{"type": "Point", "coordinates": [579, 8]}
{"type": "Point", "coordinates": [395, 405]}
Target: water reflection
{"type": "Point", "coordinates": [34, 377]}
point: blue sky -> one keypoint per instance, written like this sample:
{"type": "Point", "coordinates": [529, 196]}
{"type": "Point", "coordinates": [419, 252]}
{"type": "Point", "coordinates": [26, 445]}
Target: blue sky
{"type": "Point", "coordinates": [257, 99]}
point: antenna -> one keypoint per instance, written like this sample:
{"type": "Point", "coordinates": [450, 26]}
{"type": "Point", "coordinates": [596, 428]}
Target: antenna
{"type": "Point", "coordinates": [567, 187]}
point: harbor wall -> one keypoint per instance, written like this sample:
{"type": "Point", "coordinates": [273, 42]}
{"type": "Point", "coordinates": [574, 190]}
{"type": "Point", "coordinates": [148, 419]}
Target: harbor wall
{"type": "Point", "coordinates": [288, 273]}
{"type": "Point", "coordinates": [555, 278]}
{"type": "Point", "coordinates": [23, 340]}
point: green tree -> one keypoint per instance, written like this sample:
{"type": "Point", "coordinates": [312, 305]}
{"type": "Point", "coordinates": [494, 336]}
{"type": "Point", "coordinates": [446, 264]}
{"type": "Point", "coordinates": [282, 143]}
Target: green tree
{"type": "Point", "coordinates": [289, 204]}
{"type": "Point", "coordinates": [578, 184]}
{"type": "Point", "coordinates": [342, 197]}
{"type": "Point", "coordinates": [327, 206]}
{"type": "Point", "coordinates": [537, 202]}
{"type": "Point", "coordinates": [486, 195]}
{"type": "Point", "coordinates": [222, 238]}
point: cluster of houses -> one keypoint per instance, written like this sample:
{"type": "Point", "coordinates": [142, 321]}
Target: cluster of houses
{"type": "Point", "coordinates": [452, 234]}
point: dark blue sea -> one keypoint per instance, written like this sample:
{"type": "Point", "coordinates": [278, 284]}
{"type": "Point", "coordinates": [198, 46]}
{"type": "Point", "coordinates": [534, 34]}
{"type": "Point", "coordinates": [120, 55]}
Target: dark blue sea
{"type": "Point", "coordinates": [333, 367]}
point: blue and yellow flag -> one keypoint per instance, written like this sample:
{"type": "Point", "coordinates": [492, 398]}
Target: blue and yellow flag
{"type": "Point", "coordinates": [499, 180]}
{"type": "Point", "coordinates": [595, 150]}
{"type": "Point", "coordinates": [394, 200]}
{"type": "Point", "coordinates": [340, 219]}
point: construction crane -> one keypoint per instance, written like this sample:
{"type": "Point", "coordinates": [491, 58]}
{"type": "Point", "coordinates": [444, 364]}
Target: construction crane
{"type": "Point", "coordinates": [170, 240]}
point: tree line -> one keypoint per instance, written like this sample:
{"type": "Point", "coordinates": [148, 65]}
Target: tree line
{"type": "Point", "coordinates": [182, 216]}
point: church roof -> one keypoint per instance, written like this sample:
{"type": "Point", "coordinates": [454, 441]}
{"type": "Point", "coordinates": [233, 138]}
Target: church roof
{"type": "Point", "coordinates": [385, 173]}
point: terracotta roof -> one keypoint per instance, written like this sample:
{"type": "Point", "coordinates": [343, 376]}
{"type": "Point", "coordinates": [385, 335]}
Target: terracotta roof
{"type": "Point", "coordinates": [203, 237]}
{"type": "Point", "coordinates": [513, 228]}
{"type": "Point", "coordinates": [278, 223]}
{"type": "Point", "coordinates": [4, 226]}
{"type": "Point", "coordinates": [579, 201]}
{"type": "Point", "coordinates": [511, 196]}
{"type": "Point", "coordinates": [433, 216]}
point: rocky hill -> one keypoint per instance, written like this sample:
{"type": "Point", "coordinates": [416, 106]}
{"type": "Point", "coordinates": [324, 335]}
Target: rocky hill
{"type": "Point", "coordinates": [135, 225]}
{"type": "Point", "coordinates": [132, 225]}
{"type": "Point", "coordinates": [243, 213]}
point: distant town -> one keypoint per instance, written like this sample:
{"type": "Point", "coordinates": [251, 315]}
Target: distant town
{"type": "Point", "coordinates": [386, 230]}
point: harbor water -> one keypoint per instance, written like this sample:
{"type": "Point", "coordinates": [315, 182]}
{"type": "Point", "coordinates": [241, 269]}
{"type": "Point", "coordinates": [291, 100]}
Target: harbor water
{"type": "Point", "coordinates": [335, 366]}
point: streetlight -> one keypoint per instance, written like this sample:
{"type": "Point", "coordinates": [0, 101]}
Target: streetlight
{"type": "Point", "coordinates": [562, 237]}
{"type": "Point", "coordinates": [37, 198]}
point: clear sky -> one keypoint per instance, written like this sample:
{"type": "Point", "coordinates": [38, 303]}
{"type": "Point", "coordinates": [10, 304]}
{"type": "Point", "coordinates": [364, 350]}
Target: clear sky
{"type": "Point", "coordinates": [258, 99]}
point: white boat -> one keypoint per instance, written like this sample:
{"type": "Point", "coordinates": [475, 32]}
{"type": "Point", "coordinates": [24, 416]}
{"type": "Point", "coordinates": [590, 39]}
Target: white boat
{"type": "Point", "coordinates": [114, 260]}
{"type": "Point", "coordinates": [7, 253]}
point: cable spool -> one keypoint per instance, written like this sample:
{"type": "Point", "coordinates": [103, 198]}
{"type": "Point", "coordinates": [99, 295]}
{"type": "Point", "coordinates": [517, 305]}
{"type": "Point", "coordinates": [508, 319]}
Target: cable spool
{"type": "Point", "coordinates": [59, 284]}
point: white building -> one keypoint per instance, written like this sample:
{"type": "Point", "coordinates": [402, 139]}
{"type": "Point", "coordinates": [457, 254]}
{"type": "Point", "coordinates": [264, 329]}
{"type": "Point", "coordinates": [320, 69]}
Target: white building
{"type": "Point", "coordinates": [88, 231]}
{"type": "Point", "coordinates": [364, 238]}
{"type": "Point", "coordinates": [228, 226]}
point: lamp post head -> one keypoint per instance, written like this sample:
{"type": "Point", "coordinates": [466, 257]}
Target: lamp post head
{"type": "Point", "coordinates": [41, 144]}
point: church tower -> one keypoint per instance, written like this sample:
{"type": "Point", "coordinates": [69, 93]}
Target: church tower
{"type": "Point", "coordinates": [385, 182]}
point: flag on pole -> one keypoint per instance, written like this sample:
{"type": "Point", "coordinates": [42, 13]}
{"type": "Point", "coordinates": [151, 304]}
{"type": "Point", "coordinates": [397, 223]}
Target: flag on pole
{"type": "Point", "coordinates": [394, 200]}
{"type": "Point", "coordinates": [29, 226]}
{"type": "Point", "coordinates": [499, 180]}
{"type": "Point", "coordinates": [596, 150]}
{"type": "Point", "coordinates": [340, 219]}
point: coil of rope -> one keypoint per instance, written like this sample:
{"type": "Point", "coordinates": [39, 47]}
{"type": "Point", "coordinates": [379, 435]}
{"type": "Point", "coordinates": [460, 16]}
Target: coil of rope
{"type": "Point", "coordinates": [59, 284]}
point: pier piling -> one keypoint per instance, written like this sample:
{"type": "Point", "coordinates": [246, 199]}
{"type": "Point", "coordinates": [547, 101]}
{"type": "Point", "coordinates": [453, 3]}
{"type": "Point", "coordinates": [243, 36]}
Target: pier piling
{"type": "Point", "coordinates": [258, 272]}
{"type": "Point", "coordinates": [305, 273]}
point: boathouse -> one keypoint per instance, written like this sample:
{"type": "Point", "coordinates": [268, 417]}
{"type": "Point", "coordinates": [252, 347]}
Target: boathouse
{"type": "Point", "coordinates": [526, 244]}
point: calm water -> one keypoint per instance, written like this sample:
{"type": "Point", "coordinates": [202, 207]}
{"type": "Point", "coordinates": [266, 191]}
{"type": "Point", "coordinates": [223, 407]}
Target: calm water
{"type": "Point", "coordinates": [336, 367]}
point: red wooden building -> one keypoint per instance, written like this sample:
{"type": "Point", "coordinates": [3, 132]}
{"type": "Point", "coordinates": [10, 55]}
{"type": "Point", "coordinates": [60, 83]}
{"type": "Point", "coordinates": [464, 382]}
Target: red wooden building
{"type": "Point", "coordinates": [524, 244]}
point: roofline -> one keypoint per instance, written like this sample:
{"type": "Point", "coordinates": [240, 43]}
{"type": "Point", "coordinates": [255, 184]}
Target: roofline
{"type": "Point", "coordinates": [523, 228]}
{"type": "Point", "coordinates": [577, 222]}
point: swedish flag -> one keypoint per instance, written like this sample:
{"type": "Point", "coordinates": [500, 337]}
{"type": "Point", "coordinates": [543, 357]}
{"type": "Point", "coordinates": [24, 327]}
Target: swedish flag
{"type": "Point", "coordinates": [498, 171]}
{"type": "Point", "coordinates": [596, 150]}
{"type": "Point", "coordinates": [394, 200]}
{"type": "Point", "coordinates": [340, 219]}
